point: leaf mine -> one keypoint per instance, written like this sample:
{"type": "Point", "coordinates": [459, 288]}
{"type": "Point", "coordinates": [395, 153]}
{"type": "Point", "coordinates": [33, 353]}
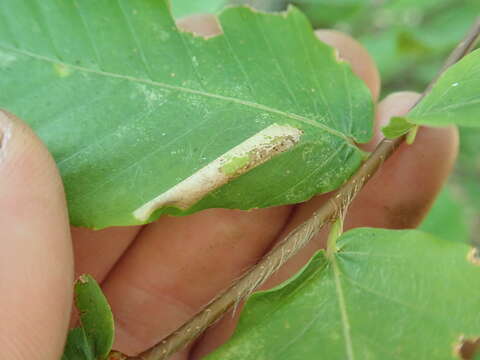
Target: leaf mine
{"type": "Point", "coordinates": [244, 157]}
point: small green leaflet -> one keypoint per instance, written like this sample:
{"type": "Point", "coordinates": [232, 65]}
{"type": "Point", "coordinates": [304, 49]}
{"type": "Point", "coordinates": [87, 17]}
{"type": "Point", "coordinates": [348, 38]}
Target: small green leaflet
{"type": "Point", "coordinates": [397, 127]}
{"type": "Point", "coordinates": [142, 118]}
{"type": "Point", "coordinates": [94, 339]}
{"type": "Point", "coordinates": [384, 295]}
{"type": "Point", "coordinates": [455, 98]}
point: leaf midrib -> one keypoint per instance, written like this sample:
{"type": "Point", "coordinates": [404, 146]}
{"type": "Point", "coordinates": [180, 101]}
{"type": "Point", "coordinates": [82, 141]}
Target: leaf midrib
{"type": "Point", "coordinates": [246, 103]}
{"type": "Point", "coordinates": [343, 310]}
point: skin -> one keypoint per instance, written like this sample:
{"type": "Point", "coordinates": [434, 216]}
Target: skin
{"type": "Point", "coordinates": [159, 275]}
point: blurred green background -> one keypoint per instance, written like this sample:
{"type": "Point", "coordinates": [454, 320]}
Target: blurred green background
{"type": "Point", "coordinates": [409, 40]}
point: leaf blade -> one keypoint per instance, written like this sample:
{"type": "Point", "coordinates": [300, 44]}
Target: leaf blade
{"type": "Point", "coordinates": [454, 99]}
{"type": "Point", "coordinates": [399, 289]}
{"type": "Point", "coordinates": [95, 316]}
{"type": "Point", "coordinates": [77, 346]}
{"type": "Point", "coordinates": [157, 103]}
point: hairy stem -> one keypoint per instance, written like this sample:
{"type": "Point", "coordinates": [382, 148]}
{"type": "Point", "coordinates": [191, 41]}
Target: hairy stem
{"type": "Point", "coordinates": [296, 239]}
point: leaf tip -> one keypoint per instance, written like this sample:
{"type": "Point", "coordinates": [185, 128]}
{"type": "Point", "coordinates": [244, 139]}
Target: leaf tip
{"type": "Point", "coordinates": [84, 279]}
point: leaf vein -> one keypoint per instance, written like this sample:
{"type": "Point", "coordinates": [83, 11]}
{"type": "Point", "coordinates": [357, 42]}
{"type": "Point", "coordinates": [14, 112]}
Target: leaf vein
{"type": "Point", "coordinates": [343, 311]}
{"type": "Point", "coordinates": [246, 103]}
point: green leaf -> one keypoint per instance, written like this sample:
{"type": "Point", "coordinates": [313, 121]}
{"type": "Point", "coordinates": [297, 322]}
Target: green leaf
{"type": "Point", "coordinates": [94, 339]}
{"type": "Point", "coordinates": [77, 346]}
{"type": "Point", "coordinates": [448, 219]}
{"type": "Point", "coordinates": [384, 295]}
{"type": "Point", "coordinates": [410, 39]}
{"type": "Point", "coordinates": [181, 8]}
{"type": "Point", "coordinates": [397, 127]}
{"type": "Point", "coordinates": [329, 12]}
{"type": "Point", "coordinates": [455, 99]}
{"type": "Point", "coordinates": [95, 316]}
{"type": "Point", "coordinates": [141, 117]}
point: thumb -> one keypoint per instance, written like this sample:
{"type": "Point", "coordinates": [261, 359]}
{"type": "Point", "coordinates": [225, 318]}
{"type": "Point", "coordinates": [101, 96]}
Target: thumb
{"type": "Point", "coordinates": [36, 263]}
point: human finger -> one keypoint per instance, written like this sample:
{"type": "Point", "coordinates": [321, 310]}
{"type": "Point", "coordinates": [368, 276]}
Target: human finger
{"type": "Point", "coordinates": [36, 267]}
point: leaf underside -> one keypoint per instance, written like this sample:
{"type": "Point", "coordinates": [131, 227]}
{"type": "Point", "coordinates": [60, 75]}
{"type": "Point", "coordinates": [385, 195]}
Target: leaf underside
{"type": "Point", "coordinates": [385, 295]}
{"type": "Point", "coordinates": [130, 107]}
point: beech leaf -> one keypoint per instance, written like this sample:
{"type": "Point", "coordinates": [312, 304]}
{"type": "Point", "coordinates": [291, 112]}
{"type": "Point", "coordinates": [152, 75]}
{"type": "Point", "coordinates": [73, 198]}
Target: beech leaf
{"type": "Point", "coordinates": [455, 98]}
{"type": "Point", "coordinates": [142, 118]}
{"type": "Point", "coordinates": [385, 294]}
{"type": "Point", "coordinates": [330, 12]}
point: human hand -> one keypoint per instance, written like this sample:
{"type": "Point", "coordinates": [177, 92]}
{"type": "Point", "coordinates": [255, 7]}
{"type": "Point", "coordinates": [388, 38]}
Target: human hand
{"type": "Point", "coordinates": [157, 276]}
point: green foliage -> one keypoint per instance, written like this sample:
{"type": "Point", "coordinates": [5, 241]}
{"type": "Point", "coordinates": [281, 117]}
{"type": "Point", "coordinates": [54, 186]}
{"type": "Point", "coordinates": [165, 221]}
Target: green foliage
{"type": "Point", "coordinates": [456, 213]}
{"type": "Point", "coordinates": [181, 8]}
{"type": "Point", "coordinates": [384, 295]}
{"type": "Point", "coordinates": [327, 13]}
{"type": "Point", "coordinates": [397, 127]}
{"type": "Point", "coordinates": [408, 39]}
{"type": "Point", "coordinates": [455, 98]}
{"type": "Point", "coordinates": [448, 218]}
{"type": "Point", "coordinates": [269, 116]}
{"type": "Point", "coordinates": [77, 346]}
{"type": "Point", "coordinates": [140, 100]}
{"type": "Point", "coordinates": [94, 339]}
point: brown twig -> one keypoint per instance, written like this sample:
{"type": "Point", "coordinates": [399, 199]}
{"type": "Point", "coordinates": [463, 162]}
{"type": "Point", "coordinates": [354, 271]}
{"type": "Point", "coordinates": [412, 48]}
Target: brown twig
{"type": "Point", "coordinates": [295, 240]}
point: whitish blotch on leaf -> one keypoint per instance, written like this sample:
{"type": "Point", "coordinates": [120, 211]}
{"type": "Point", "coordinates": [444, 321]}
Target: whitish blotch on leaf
{"type": "Point", "coordinates": [244, 157]}
{"type": "Point", "coordinates": [474, 256]}
{"type": "Point", "coordinates": [467, 349]}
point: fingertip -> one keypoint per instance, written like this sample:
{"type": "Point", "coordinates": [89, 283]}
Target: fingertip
{"type": "Point", "coordinates": [354, 53]}
{"type": "Point", "coordinates": [36, 267]}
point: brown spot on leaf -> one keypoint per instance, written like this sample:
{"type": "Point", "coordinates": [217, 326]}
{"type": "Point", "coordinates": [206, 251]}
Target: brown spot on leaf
{"type": "Point", "coordinates": [474, 256]}
{"type": "Point", "coordinates": [466, 349]}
